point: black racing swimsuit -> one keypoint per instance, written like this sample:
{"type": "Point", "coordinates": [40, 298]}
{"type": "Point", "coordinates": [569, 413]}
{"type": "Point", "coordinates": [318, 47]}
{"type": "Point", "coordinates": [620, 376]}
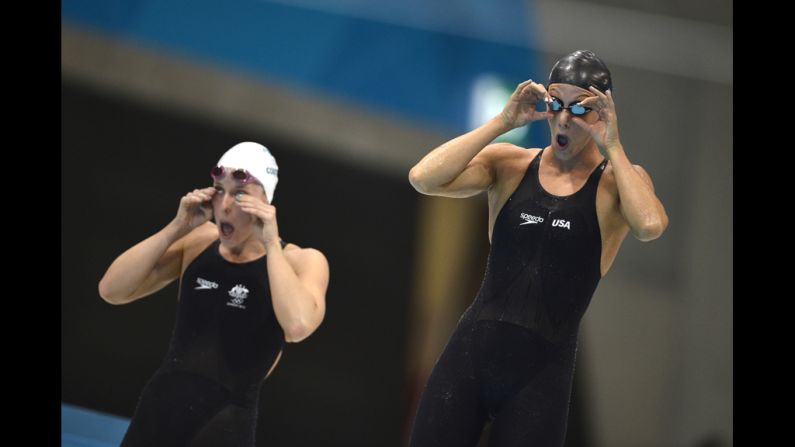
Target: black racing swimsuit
{"type": "Point", "coordinates": [511, 357]}
{"type": "Point", "coordinates": [225, 340]}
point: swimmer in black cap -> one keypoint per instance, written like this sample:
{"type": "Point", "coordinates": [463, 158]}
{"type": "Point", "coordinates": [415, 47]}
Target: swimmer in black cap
{"type": "Point", "coordinates": [557, 217]}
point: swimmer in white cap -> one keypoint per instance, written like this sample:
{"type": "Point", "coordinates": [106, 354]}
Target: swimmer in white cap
{"type": "Point", "coordinates": [243, 293]}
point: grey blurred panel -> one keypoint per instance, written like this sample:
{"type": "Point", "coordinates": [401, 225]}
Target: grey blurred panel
{"type": "Point", "coordinates": [718, 12]}
{"type": "Point", "coordinates": [635, 39]}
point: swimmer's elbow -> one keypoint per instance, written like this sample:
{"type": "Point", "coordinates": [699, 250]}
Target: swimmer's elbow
{"type": "Point", "coordinates": [296, 333]}
{"type": "Point", "coordinates": [299, 331]}
{"type": "Point", "coordinates": [110, 296]}
{"type": "Point", "coordinates": [106, 294]}
{"type": "Point", "coordinates": [417, 180]}
{"type": "Point", "coordinates": [651, 230]}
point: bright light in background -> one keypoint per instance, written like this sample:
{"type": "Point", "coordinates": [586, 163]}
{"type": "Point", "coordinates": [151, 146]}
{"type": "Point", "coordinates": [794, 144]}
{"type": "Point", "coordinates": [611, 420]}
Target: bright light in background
{"type": "Point", "coordinates": [488, 98]}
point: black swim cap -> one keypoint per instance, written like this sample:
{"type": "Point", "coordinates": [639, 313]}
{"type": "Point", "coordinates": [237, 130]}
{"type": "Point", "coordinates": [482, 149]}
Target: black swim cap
{"type": "Point", "coordinates": [581, 68]}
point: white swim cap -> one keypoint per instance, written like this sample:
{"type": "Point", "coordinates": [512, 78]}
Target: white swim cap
{"type": "Point", "coordinates": [257, 160]}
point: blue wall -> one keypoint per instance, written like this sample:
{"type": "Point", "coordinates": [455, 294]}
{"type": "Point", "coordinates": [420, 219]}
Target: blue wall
{"type": "Point", "coordinates": [416, 60]}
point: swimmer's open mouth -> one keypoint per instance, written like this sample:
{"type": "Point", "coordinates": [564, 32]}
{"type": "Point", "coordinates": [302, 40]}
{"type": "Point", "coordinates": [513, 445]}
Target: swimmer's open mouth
{"type": "Point", "coordinates": [563, 140]}
{"type": "Point", "coordinates": [227, 229]}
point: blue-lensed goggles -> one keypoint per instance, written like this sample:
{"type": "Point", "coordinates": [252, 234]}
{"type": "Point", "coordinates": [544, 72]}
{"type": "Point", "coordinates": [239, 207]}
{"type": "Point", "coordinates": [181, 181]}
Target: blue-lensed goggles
{"type": "Point", "coordinates": [576, 109]}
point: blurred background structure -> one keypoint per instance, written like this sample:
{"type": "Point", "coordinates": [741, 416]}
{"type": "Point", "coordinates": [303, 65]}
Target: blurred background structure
{"type": "Point", "coordinates": [348, 95]}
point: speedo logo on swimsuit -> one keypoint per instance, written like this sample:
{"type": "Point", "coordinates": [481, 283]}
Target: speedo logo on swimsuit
{"type": "Point", "coordinates": [205, 285]}
{"type": "Point", "coordinates": [530, 219]}
{"type": "Point", "coordinates": [238, 293]}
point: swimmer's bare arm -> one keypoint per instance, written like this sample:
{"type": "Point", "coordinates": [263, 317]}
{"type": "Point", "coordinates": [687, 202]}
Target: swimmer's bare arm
{"type": "Point", "coordinates": [298, 278]}
{"type": "Point", "coordinates": [462, 167]}
{"type": "Point", "coordinates": [154, 262]}
{"type": "Point", "coordinates": [639, 205]}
